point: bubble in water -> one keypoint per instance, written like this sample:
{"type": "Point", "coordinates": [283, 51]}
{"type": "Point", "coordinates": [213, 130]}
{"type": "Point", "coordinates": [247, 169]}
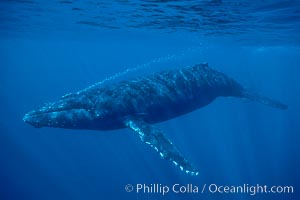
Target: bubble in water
{"type": "Point", "coordinates": [159, 60]}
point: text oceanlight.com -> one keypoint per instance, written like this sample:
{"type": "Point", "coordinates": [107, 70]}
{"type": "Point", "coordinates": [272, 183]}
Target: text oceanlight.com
{"type": "Point", "coordinates": [207, 188]}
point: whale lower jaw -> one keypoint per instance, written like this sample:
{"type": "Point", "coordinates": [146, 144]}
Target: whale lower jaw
{"type": "Point", "coordinates": [61, 119]}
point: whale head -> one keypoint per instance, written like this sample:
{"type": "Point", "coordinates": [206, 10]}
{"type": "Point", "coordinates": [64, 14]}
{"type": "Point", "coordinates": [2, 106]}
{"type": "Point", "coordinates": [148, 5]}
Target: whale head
{"type": "Point", "coordinates": [71, 111]}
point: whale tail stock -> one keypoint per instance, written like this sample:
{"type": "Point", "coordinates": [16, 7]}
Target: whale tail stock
{"type": "Point", "coordinates": [264, 100]}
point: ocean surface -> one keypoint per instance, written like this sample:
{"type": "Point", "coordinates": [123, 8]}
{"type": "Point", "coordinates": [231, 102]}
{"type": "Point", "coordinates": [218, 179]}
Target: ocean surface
{"type": "Point", "coordinates": [50, 48]}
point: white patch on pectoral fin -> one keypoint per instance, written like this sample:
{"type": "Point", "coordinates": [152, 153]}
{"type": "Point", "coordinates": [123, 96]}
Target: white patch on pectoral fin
{"type": "Point", "coordinates": [156, 139]}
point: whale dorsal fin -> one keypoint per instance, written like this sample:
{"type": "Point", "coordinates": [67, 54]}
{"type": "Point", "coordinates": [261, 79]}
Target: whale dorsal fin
{"type": "Point", "coordinates": [157, 140]}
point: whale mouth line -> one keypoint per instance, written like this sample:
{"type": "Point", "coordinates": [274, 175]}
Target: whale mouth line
{"type": "Point", "coordinates": [37, 113]}
{"type": "Point", "coordinates": [40, 112]}
{"type": "Point", "coordinates": [40, 118]}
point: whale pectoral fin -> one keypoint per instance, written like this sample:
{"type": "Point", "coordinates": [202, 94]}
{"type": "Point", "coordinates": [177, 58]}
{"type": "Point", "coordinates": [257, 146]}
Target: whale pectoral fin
{"type": "Point", "coordinates": [157, 140]}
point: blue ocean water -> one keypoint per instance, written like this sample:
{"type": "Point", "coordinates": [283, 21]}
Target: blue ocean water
{"type": "Point", "coordinates": [50, 48]}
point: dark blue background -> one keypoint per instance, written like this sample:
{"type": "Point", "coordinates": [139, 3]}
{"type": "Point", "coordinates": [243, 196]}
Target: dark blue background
{"type": "Point", "coordinates": [231, 141]}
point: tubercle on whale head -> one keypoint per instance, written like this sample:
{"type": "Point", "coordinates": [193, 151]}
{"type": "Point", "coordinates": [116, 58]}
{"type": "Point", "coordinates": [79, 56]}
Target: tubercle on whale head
{"type": "Point", "coordinates": [68, 112]}
{"type": "Point", "coordinates": [73, 118]}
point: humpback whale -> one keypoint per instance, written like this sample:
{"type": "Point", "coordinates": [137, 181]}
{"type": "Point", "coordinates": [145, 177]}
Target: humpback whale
{"type": "Point", "coordinates": [139, 103]}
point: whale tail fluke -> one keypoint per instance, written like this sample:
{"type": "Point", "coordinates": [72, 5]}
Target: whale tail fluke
{"type": "Point", "coordinates": [264, 100]}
